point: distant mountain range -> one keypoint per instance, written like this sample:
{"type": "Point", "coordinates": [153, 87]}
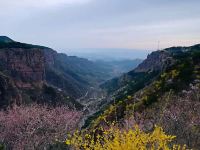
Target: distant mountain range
{"type": "Point", "coordinates": [36, 73]}
{"type": "Point", "coordinates": [109, 54]}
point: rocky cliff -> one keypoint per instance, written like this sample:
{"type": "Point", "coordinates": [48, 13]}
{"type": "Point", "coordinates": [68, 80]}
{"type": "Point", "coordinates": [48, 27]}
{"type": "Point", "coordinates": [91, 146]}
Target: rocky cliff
{"type": "Point", "coordinates": [25, 66]}
{"type": "Point", "coordinates": [35, 73]}
{"type": "Point", "coordinates": [155, 61]}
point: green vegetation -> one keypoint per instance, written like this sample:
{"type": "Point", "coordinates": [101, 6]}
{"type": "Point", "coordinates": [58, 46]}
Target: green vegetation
{"type": "Point", "coordinates": [143, 92]}
{"type": "Point", "coordinates": [174, 78]}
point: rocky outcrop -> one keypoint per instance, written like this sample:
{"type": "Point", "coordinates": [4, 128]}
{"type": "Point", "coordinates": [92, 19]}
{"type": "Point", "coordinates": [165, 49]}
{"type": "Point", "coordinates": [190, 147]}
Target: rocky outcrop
{"type": "Point", "coordinates": [23, 65]}
{"type": "Point", "coordinates": [23, 79]}
{"type": "Point", "coordinates": [24, 70]}
{"type": "Point", "coordinates": [156, 61]}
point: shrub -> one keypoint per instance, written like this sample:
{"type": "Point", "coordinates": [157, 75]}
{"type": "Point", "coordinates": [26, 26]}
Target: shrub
{"type": "Point", "coordinates": [116, 139]}
{"type": "Point", "coordinates": [35, 126]}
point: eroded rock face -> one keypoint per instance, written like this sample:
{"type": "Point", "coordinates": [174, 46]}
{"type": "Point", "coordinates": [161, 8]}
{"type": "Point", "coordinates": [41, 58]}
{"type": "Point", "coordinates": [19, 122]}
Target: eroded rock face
{"type": "Point", "coordinates": [20, 69]}
{"type": "Point", "coordinates": [28, 72]}
{"type": "Point", "coordinates": [156, 61]}
{"type": "Point", "coordinates": [22, 75]}
{"type": "Point", "coordinates": [49, 56]}
{"type": "Point", "coordinates": [23, 65]}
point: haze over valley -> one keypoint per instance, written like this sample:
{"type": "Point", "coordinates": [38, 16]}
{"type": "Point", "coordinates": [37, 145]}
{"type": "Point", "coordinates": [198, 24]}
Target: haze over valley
{"type": "Point", "coordinates": [99, 75]}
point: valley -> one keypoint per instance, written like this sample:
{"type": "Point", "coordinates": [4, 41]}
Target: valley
{"type": "Point", "coordinates": [156, 91]}
{"type": "Point", "coordinates": [36, 72]}
{"type": "Point", "coordinates": [99, 75]}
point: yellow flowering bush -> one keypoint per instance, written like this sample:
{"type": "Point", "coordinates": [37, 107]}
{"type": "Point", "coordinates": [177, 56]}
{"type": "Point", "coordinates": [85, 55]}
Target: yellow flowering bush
{"type": "Point", "coordinates": [116, 139]}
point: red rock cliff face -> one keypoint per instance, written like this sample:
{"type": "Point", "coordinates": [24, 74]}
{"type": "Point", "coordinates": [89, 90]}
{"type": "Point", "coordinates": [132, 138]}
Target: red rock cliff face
{"type": "Point", "coordinates": [24, 66]}
{"type": "Point", "coordinates": [24, 70]}
{"type": "Point", "coordinates": [49, 57]}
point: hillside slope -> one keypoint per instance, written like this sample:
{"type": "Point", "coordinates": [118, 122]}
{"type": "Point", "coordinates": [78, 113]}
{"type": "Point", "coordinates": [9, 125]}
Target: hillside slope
{"type": "Point", "coordinates": [119, 67]}
{"type": "Point", "coordinates": [163, 90]}
{"type": "Point", "coordinates": [5, 39]}
{"type": "Point", "coordinates": [37, 73]}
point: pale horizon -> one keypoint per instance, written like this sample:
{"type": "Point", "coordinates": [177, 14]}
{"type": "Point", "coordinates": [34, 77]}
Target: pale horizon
{"type": "Point", "coordinates": [66, 25]}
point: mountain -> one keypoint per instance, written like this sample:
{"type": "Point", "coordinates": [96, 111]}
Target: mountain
{"type": "Point", "coordinates": [36, 73]}
{"type": "Point", "coordinates": [109, 54]}
{"type": "Point", "coordinates": [163, 90]}
{"type": "Point", "coordinates": [24, 76]}
{"type": "Point", "coordinates": [5, 39]}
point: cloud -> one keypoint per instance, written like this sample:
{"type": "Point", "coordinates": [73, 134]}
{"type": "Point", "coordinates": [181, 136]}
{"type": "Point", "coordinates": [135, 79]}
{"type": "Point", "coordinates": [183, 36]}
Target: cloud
{"type": "Point", "coordinates": [64, 24]}
{"type": "Point", "coordinates": [38, 3]}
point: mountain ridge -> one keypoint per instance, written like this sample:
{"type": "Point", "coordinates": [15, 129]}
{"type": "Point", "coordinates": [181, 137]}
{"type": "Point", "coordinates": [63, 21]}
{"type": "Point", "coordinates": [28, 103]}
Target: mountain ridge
{"type": "Point", "coordinates": [163, 90]}
{"type": "Point", "coordinates": [33, 70]}
{"type": "Point", "coordinates": [5, 39]}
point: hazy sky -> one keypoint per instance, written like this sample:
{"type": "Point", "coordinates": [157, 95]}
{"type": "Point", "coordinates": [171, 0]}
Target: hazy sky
{"type": "Point", "coordinates": [71, 24]}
